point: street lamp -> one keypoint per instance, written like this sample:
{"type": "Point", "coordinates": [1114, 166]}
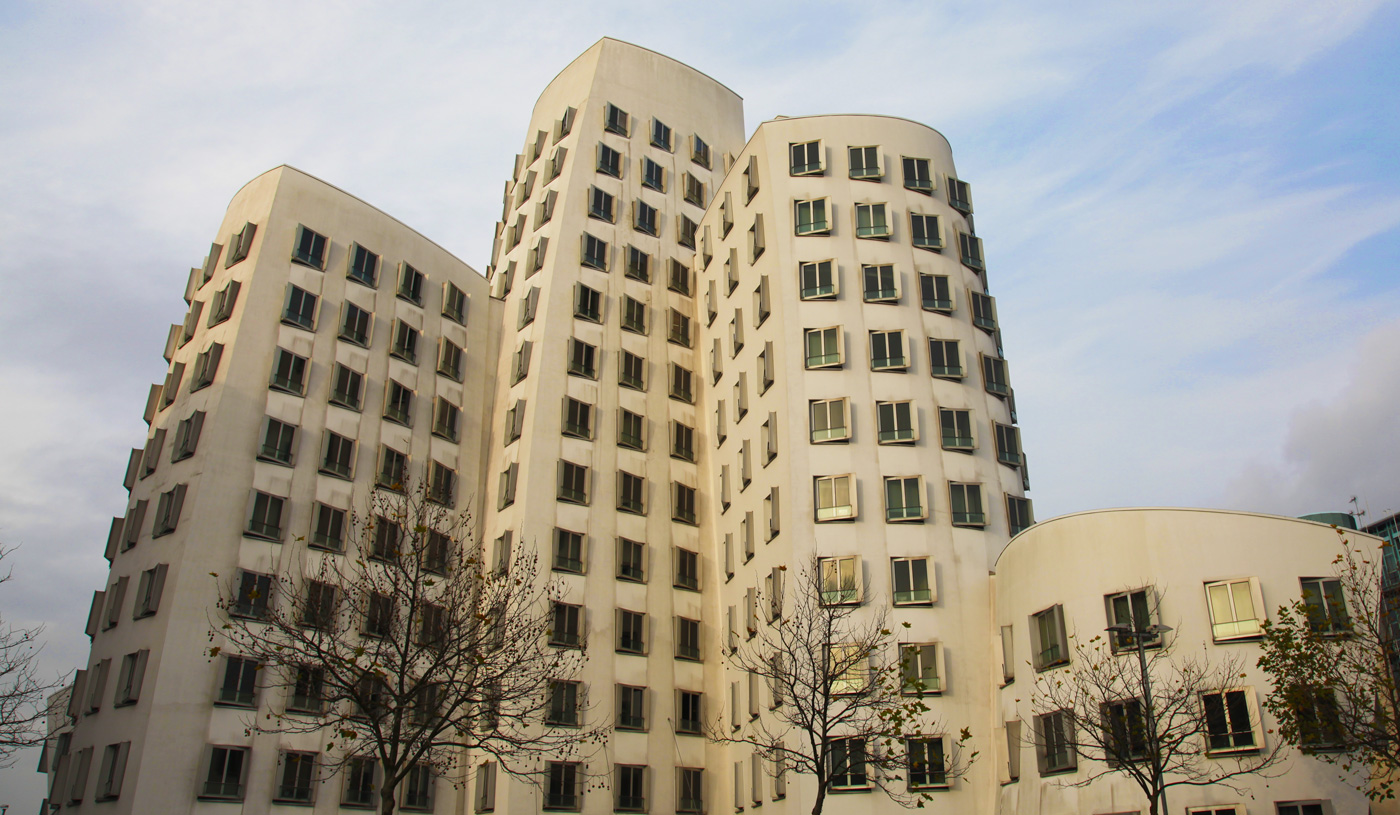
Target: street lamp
{"type": "Point", "coordinates": [1125, 632]}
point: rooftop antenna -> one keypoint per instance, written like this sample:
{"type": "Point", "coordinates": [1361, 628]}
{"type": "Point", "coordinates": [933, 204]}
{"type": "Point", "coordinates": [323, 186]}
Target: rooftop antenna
{"type": "Point", "coordinates": [1356, 511]}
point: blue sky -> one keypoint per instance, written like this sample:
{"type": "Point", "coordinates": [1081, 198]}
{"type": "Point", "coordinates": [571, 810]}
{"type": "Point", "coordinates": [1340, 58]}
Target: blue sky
{"type": "Point", "coordinates": [1191, 212]}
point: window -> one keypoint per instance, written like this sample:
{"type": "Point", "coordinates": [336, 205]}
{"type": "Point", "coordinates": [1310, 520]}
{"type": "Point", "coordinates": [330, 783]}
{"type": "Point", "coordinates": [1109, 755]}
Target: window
{"type": "Point", "coordinates": [686, 228]}
{"type": "Point", "coordinates": [587, 303]}
{"type": "Point", "coordinates": [631, 632]}
{"type": "Point", "coordinates": [756, 246]}
{"type": "Point", "coordinates": [595, 253]}
{"type": "Point", "coordinates": [644, 217]}
{"type": "Point", "coordinates": [521, 364]}
{"type": "Point", "coordinates": [1049, 647]}
{"type": "Point", "coordinates": [694, 191]}
{"type": "Point", "coordinates": [528, 304]}
{"type": "Point", "coordinates": [206, 366]}
{"type": "Point", "coordinates": [660, 135]}
{"type": "Point", "coordinates": [309, 249]}
{"type": "Point", "coordinates": [806, 158]}
{"type": "Point", "coordinates": [840, 580]}
{"type": "Point", "coordinates": [966, 503]}
{"type": "Point", "coordinates": [148, 591]}
{"type": "Point", "coordinates": [682, 441]}
{"type": "Point", "coordinates": [239, 684]}
{"type": "Point", "coordinates": [563, 786]}
{"type": "Point", "coordinates": [632, 371]}
{"type": "Point", "coordinates": [318, 610]}
{"type": "Point", "coordinates": [567, 630]}
{"type": "Point", "coordinates": [563, 703]}
{"type": "Point", "coordinates": [191, 322]}
{"type": "Point", "coordinates": [1008, 444]}
{"type": "Point", "coordinates": [573, 483]}
{"type": "Point", "coordinates": [678, 279]}
{"type": "Point", "coordinates": [681, 384]}
{"type": "Point", "coordinates": [887, 351]}
{"type": "Point", "coordinates": [1317, 713]}
{"type": "Point", "coordinates": [360, 782]}
{"type": "Point", "coordinates": [545, 211]}
{"type": "Point", "coordinates": [1231, 721]}
{"type": "Point", "coordinates": [300, 308]}
{"type": "Point", "coordinates": [945, 361]}
{"type": "Point", "coordinates": [959, 195]}
{"type": "Point", "coordinates": [811, 218]}
{"type": "Point", "coordinates": [653, 175]}
{"type": "Point", "coordinates": [616, 120]}
{"type": "Point", "coordinates": [818, 280]}
{"type": "Point", "coordinates": [751, 179]}
{"type": "Point", "coordinates": [984, 311]}
{"type": "Point", "coordinates": [221, 307]}
{"type": "Point", "coordinates": [410, 284]}
{"type": "Point", "coordinates": [631, 788]}
{"type": "Point", "coordinates": [442, 484]}
{"type": "Point", "coordinates": [1018, 514]}
{"type": "Point", "coordinates": [109, 777]}
{"type": "Point", "coordinates": [911, 581]}
{"type": "Point", "coordinates": [297, 777]}
{"type": "Point", "coordinates": [872, 221]}
{"type": "Point", "coordinates": [1326, 605]}
{"type": "Point", "coordinates": [1295, 808]}
{"type": "Point", "coordinates": [393, 469]}
{"type": "Point", "coordinates": [683, 503]}
{"type": "Point", "coordinates": [971, 252]}
{"type": "Point", "coordinates": [288, 373]}
{"type": "Point", "coordinates": [506, 486]}
{"type": "Point", "coordinates": [454, 303]}
{"type": "Point", "coordinates": [916, 175]}
{"type": "Point", "coordinates": [418, 788]}
{"type": "Point", "coordinates": [168, 511]}
{"type": "Point", "coordinates": [680, 333]}
{"type": "Point", "coordinates": [398, 404]}
{"type": "Point", "coordinates": [449, 359]}
{"type": "Point", "coordinates": [687, 570]}
{"type": "Point", "coordinates": [583, 359]}
{"type": "Point", "coordinates": [865, 163]}
{"type": "Point", "coordinates": [346, 388]}
{"type": "Point", "coordinates": [227, 771]}
{"type": "Point", "coordinates": [1236, 609]}
{"type": "Point", "coordinates": [846, 764]}
{"type": "Point", "coordinates": [994, 376]}
{"type": "Point", "coordinates": [688, 707]}
{"type": "Point", "coordinates": [895, 422]}
{"type": "Point", "coordinates": [1054, 742]}
{"type": "Point", "coordinates": [881, 283]}
{"type": "Point", "coordinates": [486, 787]}
{"type": "Point", "coordinates": [700, 152]}
{"type": "Point", "coordinates": [447, 419]}
{"type": "Point", "coordinates": [925, 231]}
{"type": "Point", "coordinates": [565, 124]}
{"type": "Point", "coordinates": [265, 517]}
{"type": "Point", "coordinates": [1137, 611]}
{"type": "Point", "coordinates": [904, 499]}
{"type": "Point", "coordinates": [187, 436]}
{"type": "Point", "coordinates": [239, 245]}
{"type": "Point", "coordinates": [824, 347]}
{"type": "Point", "coordinates": [835, 497]}
{"type": "Point", "coordinates": [537, 254]}
{"type": "Point", "coordinates": [921, 668]}
{"type": "Point", "coordinates": [405, 345]}
{"type": "Point", "coordinates": [957, 429]}
{"type": "Point", "coordinates": [1126, 731]}
{"type": "Point", "coordinates": [133, 670]}
{"type": "Point", "coordinates": [631, 560]}
{"type": "Point", "coordinates": [720, 432]}
{"type": "Point", "coordinates": [364, 266]}
{"type": "Point", "coordinates": [279, 442]}
{"type": "Point", "coordinates": [631, 493]}
{"type": "Point", "coordinates": [355, 325]}
{"type": "Point", "coordinates": [687, 639]}
{"type": "Point", "coordinates": [568, 551]}
{"type": "Point", "coordinates": [578, 418]}
{"type": "Point", "coordinates": [736, 333]}
{"type": "Point", "coordinates": [609, 161]}
{"type": "Point", "coordinates": [934, 293]}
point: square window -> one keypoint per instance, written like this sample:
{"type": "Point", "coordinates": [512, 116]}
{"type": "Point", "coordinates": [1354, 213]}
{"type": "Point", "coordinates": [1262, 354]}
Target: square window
{"type": "Point", "coordinates": [300, 308]}
{"type": "Point", "coordinates": [934, 293]}
{"type": "Point", "coordinates": [925, 231]}
{"type": "Point", "coordinates": [945, 360]}
{"type": "Point", "coordinates": [346, 388]}
{"type": "Point", "coordinates": [916, 175]}
{"type": "Point", "coordinates": [653, 175]}
{"type": "Point", "coordinates": [265, 517]}
{"type": "Point", "coordinates": [278, 442]}
{"type": "Point", "coordinates": [811, 217]}
{"type": "Point", "coordinates": [310, 248]}
{"type": "Point", "coordinates": [288, 373]}
{"type": "Point", "coordinates": [601, 205]}
{"type": "Point", "coordinates": [829, 422]}
{"type": "Point", "coordinates": [410, 284]}
{"type": "Point", "coordinates": [588, 303]}
{"type": "Point", "coordinates": [865, 163]}
{"type": "Point", "coordinates": [609, 161]}
{"type": "Point", "coordinates": [912, 585]}
{"type": "Point", "coordinates": [887, 351]}
{"type": "Point", "coordinates": [904, 499]}
{"type": "Point", "coordinates": [959, 195]}
{"type": "Point", "coordinates": [364, 266]}
{"type": "Point", "coordinates": [824, 348]}
{"type": "Point", "coordinates": [616, 120]}
{"type": "Point", "coordinates": [872, 221]}
{"type": "Point", "coordinates": [583, 359]}
{"type": "Point", "coordinates": [355, 324]}
{"type": "Point", "coordinates": [1236, 609]}
{"type": "Point", "coordinates": [568, 551]}
{"type": "Point", "coordinates": [818, 280]}
{"type": "Point", "coordinates": [631, 560]}
{"type": "Point", "coordinates": [595, 253]}
{"type": "Point", "coordinates": [840, 579]}
{"type": "Point", "coordinates": [921, 668]}
{"type": "Point", "coordinates": [573, 483]}
{"type": "Point", "coordinates": [806, 158]}
{"type": "Point", "coordinates": [1326, 606]}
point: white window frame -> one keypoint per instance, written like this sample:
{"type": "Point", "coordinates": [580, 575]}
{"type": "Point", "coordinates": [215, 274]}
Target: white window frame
{"type": "Point", "coordinates": [1237, 627]}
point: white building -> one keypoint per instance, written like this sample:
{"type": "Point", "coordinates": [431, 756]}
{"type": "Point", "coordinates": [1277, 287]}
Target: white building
{"type": "Point", "coordinates": [694, 361]}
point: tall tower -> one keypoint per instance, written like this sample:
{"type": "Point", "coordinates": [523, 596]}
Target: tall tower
{"type": "Point", "coordinates": [597, 448]}
{"type": "Point", "coordinates": [326, 344]}
{"type": "Point", "coordinates": [857, 411]}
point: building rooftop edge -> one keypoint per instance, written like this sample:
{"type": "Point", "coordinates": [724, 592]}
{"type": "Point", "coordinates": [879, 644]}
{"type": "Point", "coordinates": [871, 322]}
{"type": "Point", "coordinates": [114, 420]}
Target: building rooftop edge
{"type": "Point", "coordinates": [1104, 510]}
{"type": "Point", "coordinates": [351, 195]}
{"type": "Point", "coordinates": [858, 116]}
{"type": "Point", "coordinates": [604, 39]}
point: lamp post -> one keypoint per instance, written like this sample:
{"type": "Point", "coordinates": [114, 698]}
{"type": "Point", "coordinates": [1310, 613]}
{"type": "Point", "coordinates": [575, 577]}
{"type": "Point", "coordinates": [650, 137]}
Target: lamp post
{"type": "Point", "coordinates": [1138, 635]}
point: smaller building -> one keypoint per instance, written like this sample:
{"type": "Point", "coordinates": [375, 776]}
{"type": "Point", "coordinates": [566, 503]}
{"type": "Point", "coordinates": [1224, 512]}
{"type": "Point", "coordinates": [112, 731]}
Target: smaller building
{"type": "Point", "coordinates": [1213, 577]}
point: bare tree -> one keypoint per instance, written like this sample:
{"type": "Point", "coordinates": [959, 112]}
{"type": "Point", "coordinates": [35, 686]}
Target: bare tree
{"type": "Point", "coordinates": [1133, 706]}
{"type": "Point", "coordinates": [409, 650]}
{"type": "Point", "coordinates": [23, 711]}
{"type": "Point", "coordinates": [845, 710]}
{"type": "Point", "coordinates": [1333, 657]}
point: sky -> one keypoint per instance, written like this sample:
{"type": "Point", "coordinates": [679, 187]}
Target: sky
{"type": "Point", "coordinates": [1191, 213]}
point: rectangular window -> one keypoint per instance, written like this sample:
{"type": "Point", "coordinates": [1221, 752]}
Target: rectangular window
{"type": "Point", "coordinates": [133, 669]}
{"type": "Point", "coordinates": [578, 418]}
{"type": "Point", "coordinates": [1008, 444]}
{"type": "Point", "coordinates": [840, 580]}
{"type": "Point", "coordinates": [959, 195]}
{"type": "Point", "coordinates": [682, 384]}
{"type": "Point", "coordinates": [206, 365]}
{"type": "Point", "coordinates": [405, 345]}
{"type": "Point", "coordinates": [595, 253]}
{"type": "Point", "coordinates": [865, 163]}
{"type": "Point", "coordinates": [1293, 808]}
{"type": "Point", "coordinates": [911, 581]}
{"type": "Point", "coordinates": [835, 497]}
{"type": "Point", "coordinates": [418, 788]}
{"type": "Point", "coordinates": [687, 639]}
{"type": "Point", "coordinates": [945, 360]}
{"type": "Point", "coordinates": [228, 768]}
{"type": "Point", "coordinates": [895, 422]}
{"type": "Point", "coordinates": [239, 685]}
{"type": "Point", "coordinates": [631, 493]}
{"type": "Point", "coordinates": [398, 404]}
{"type": "Point", "coordinates": [934, 293]}
{"type": "Point", "coordinates": [355, 325]}
{"type": "Point", "coordinates": [583, 359]}
{"type": "Point", "coordinates": [221, 307]}
{"type": "Point", "coordinates": [1326, 605]}
{"type": "Point", "coordinates": [1236, 608]}
{"type": "Point", "coordinates": [806, 158]}
{"type": "Point", "coordinates": [872, 221]}
{"type": "Point", "coordinates": [187, 436]}
{"type": "Point", "coordinates": [361, 777]}
{"type": "Point", "coordinates": [994, 376]}
{"type": "Point", "coordinates": [447, 419]}
{"type": "Point", "coordinates": [1231, 721]}
{"type": "Point", "coordinates": [568, 551]}
{"type": "Point", "coordinates": [346, 388]}
{"type": "Point", "coordinates": [957, 429]}
{"type": "Point", "coordinates": [680, 332]}
{"type": "Point", "coordinates": [916, 175]}
{"type": "Point", "coordinates": [700, 152]}
{"type": "Point", "coordinates": [824, 347]}
{"type": "Point", "coordinates": [588, 303]}
{"type": "Point", "coordinates": [683, 503]}
{"type": "Point", "coordinates": [567, 630]}
{"type": "Point", "coordinates": [537, 255]}
{"type": "Point", "coordinates": [632, 371]}
{"type": "Point", "coordinates": [921, 668]}
{"type": "Point", "coordinates": [644, 218]}
{"type": "Point", "coordinates": [966, 503]}
{"type": "Point", "coordinates": [1126, 731]}
{"type": "Point", "coordinates": [631, 563]}
{"type": "Point", "coordinates": [687, 569]}
{"type": "Point", "coordinates": [971, 252]}
{"type": "Point", "coordinates": [984, 311]}
{"type": "Point", "coordinates": [638, 265]}
{"type": "Point", "coordinates": [278, 442]}
{"type": "Point", "coordinates": [757, 243]}
{"type": "Point", "coordinates": [682, 441]}
{"type": "Point", "coordinates": [904, 499]}
{"type": "Point", "coordinates": [694, 191]}
{"type": "Point", "coordinates": [573, 483]}
{"type": "Point", "coordinates": [846, 764]}
{"type": "Point", "coordinates": [364, 266]}
{"type": "Point", "coordinates": [1019, 517]}
{"type": "Point", "coordinates": [299, 309]}
{"type": "Point", "coordinates": [811, 217]}
{"type": "Point", "coordinates": [634, 315]}
{"type": "Point", "coordinates": [297, 778]}
{"type": "Point", "coordinates": [454, 303]}
{"type": "Point", "coordinates": [113, 769]}
{"type": "Point", "coordinates": [393, 469]}
{"type": "Point", "coordinates": [686, 229]}
{"type": "Point", "coordinates": [1049, 647]}
{"type": "Point", "coordinates": [563, 786]}
{"type": "Point", "coordinates": [690, 796]}
{"type": "Point", "coordinates": [653, 175]}
{"type": "Point", "coordinates": [881, 283]}
{"type": "Point", "coordinates": [288, 373]}
{"type": "Point", "coordinates": [265, 517]}
{"type": "Point", "coordinates": [410, 284]}
{"type": "Point", "coordinates": [168, 511]}
{"type": "Point", "coordinates": [148, 591]}
{"type": "Point", "coordinates": [449, 359]}
{"type": "Point", "coordinates": [442, 484]}
{"type": "Point", "coordinates": [616, 120]}
{"type": "Point", "coordinates": [609, 161]}
{"type": "Point", "coordinates": [925, 231]}
{"type": "Point", "coordinates": [240, 244]}
{"type": "Point", "coordinates": [818, 280]}
{"type": "Point", "coordinates": [631, 632]}
{"type": "Point", "coordinates": [1054, 740]}
{"type": "Point", "coordinates": [1133, 611]}
{"type": "Point", "coordinates": [887, 351]}
{"type": "Point", "coordinates": [309, 249]}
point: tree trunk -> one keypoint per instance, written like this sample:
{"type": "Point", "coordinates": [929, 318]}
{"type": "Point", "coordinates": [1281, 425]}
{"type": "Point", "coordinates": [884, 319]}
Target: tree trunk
{"type": "Point", "coordinates": [387, 800]}
{"type": "Point", "coordinates": [821, 800]}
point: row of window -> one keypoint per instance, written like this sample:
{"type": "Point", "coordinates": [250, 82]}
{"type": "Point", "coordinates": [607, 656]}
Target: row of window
{"type": "Point", "coordinates": [575, 487]}
{"type": "Point", "coordinates": [638, 265]}
{"type": "Point", "coordinates": [239, 245]}
{"type": "Point", "coordinates": [565, 782]}
{"type": "Point", "coordinates": [106, 610]}
{"type": "Point", "coordinates": [875, 220]}
{"type": "Point", "coordinates": [584, 361]}
{"type": "Point", "coordinates": [867, 163]}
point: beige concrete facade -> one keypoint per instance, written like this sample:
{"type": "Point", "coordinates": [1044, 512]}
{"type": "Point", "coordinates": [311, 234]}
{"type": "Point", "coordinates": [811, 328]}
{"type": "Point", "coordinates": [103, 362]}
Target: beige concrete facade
{"type": "Point", "coordinates": [174, 720]}
{"type": "Point", "coordinates": [1076, 561]}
